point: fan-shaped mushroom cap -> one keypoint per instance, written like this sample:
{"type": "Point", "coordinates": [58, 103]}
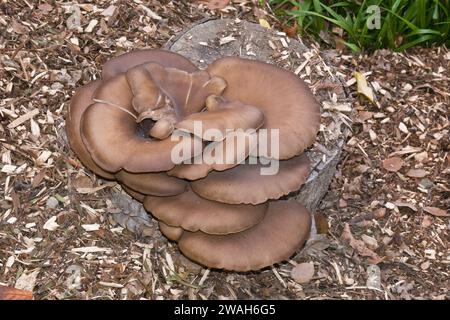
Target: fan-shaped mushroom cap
{"type": "Point", "coordinates": [110, 133]}
{"type": "Point", "coordinates": [287, 103]}
{"type": "Point", "coordinates": [284, 229]}
{"type": "Point", "coordinates": [171, 233]}
{"type": "Point", "coordinates": [193, 213]}
{"type": "Point", "coordinates": [192, 171]}
{"type": "Point", "coordinates": [152, 183]}
{"type": "Point", "coordinates": [79, 103]}
{"type": "Point", "coordinates": [245, 184]}
{"type": "Point", "coordinates": [225, 117]}
{"type": "Point", "coordinates": [219, 156]}
{"type": "Point", "coordinates": [131, 59]}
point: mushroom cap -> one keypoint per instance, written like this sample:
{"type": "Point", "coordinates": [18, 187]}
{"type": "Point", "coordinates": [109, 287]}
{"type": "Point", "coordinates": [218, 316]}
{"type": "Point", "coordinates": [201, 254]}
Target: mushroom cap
{"type": "Point", "coordinates": [152, 183]}
{"type": "Point", "coordinates": [284, 229]}
{"type": "Point", "coordinates": [245, 184]}
{"type": "Point", "coordinates": [186, 90]}
{"type": "Point", "coordinates": [192, 171]}
{"type": "Point", "coordinates": [171, 233]}
{"type": "Point", "coordinates": [218, 155]}
{"type": "Point", "coordinates": [124, 62]}
{"type": "Point", "coordinates": [226, 117]}
{"type": "Point", "coordinates": [110, 133]}
{"type": "Point", "coordinates": [286, 101]}
{"type": "Point", "coordinates": [193, 213]}
{"type": "Point", "coordinates": [79, 103]}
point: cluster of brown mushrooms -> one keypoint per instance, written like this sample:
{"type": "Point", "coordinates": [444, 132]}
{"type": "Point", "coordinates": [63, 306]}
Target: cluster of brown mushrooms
{"type": "Point", "coordinates": [222, 215]}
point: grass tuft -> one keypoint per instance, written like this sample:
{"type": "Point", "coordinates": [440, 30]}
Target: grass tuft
{"type": "Point", "coordinates": [402, 23]}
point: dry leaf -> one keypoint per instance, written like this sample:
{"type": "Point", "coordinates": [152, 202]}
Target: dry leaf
{"type": "Point", "coordinates": [264, 23]}
{"type": "Point", "coordinates": [359, 246]}
{"type": "Point", "coordinates": [436, 212]}
{"type": "Point", "coordinates": [321, 220]}
{"type": "Point", "coordinates": [393, 164]}
{"type": "Point", "coordinates": [362, 86]}
{"type": "Point", "coordinates": [416, 173]}
{"type": "Point", "coordinates": [303, 272]}
{"type": "Point", "coordinates": [291, 31]}
{"type": "Point", "coordinates": [9, 293]}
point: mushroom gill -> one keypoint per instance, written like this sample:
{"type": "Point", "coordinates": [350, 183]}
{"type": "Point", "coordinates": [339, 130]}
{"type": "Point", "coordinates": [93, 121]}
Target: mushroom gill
{"type": "Point", "coordinates": [214, 200]}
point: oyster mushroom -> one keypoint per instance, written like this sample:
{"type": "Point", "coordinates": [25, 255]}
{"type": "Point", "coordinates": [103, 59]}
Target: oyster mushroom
{"type": "Point", "coordinates": [79, 103]}
{"type": "Point", "coordinates": [287, 103]}
{"type": "Point", "coordinates": [283, 230]}
{"type": "Point", "coordinates": [245, 184]}
{"type": "Point", "coordinates": [152, 183]}
{"type": "Point", "coordinates": [204, 215]}
{"type": "Point", "coordinates": [109, 127]}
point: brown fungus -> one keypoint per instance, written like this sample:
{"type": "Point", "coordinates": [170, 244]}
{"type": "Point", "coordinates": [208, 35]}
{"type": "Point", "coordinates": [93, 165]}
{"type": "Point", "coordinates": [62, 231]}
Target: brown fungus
{"type": "Point", "coordinates": [284, 229]}
{"type": "Point", "coordinates": [287, 103]}
{"type": "Point", "coordinates": [152, 183]}
{"type": "Point", "coordinates": [218, 156]}
{"type": "Point", "coordinates": [245, 184]}
{"type": "Point", "coordinates": [171, 233]}
{"type": "Point", "coordinates": [217, 203]}
{"type": "Point", "coordinates": [109, 127]}
{"type": "Point", "coordinates": [79, 103]}
{"type": "Point", "coordinates": [204, 215]}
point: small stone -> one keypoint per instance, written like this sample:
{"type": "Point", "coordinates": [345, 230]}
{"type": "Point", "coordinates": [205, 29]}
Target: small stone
{"type": "Point", "coordinates": [52, 203]}
{"type": "Point", "coordinates": [303, 272]}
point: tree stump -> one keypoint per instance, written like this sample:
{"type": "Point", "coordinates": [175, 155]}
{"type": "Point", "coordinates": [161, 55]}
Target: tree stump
{"type": "Point", "coordinates": [212, 39]}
